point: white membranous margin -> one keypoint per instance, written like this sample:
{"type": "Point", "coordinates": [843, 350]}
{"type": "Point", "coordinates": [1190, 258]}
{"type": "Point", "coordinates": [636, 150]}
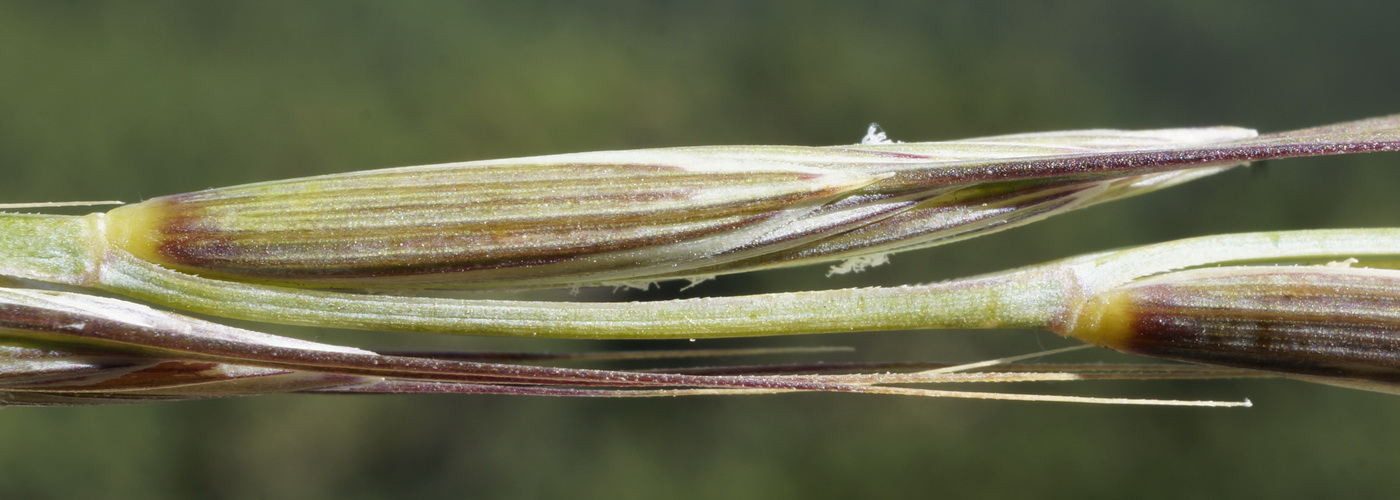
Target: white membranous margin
{"type": "Point", "coordinates": [875, 135]}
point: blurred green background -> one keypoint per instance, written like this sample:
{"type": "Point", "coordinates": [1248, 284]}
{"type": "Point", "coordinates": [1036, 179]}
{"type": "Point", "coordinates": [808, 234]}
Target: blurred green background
{"type": "Point", "coordinates": [126, 100]}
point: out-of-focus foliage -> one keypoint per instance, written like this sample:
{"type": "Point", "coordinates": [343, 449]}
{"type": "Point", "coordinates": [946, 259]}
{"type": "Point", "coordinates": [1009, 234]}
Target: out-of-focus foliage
{"type": "Point", "coordinates": [124, 101]}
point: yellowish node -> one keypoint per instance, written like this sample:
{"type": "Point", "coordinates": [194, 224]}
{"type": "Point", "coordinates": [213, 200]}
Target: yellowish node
{"type": "Point", "coordinates": [1105, 320]}
{"type": "Point", "coordinates": [136, 229]}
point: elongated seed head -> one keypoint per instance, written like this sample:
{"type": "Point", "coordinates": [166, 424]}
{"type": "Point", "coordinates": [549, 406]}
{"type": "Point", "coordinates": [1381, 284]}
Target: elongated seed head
{"type": "Point", "coordinates": [602, 217]}
{"type": "Point", "coordinates": [645, 215]}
